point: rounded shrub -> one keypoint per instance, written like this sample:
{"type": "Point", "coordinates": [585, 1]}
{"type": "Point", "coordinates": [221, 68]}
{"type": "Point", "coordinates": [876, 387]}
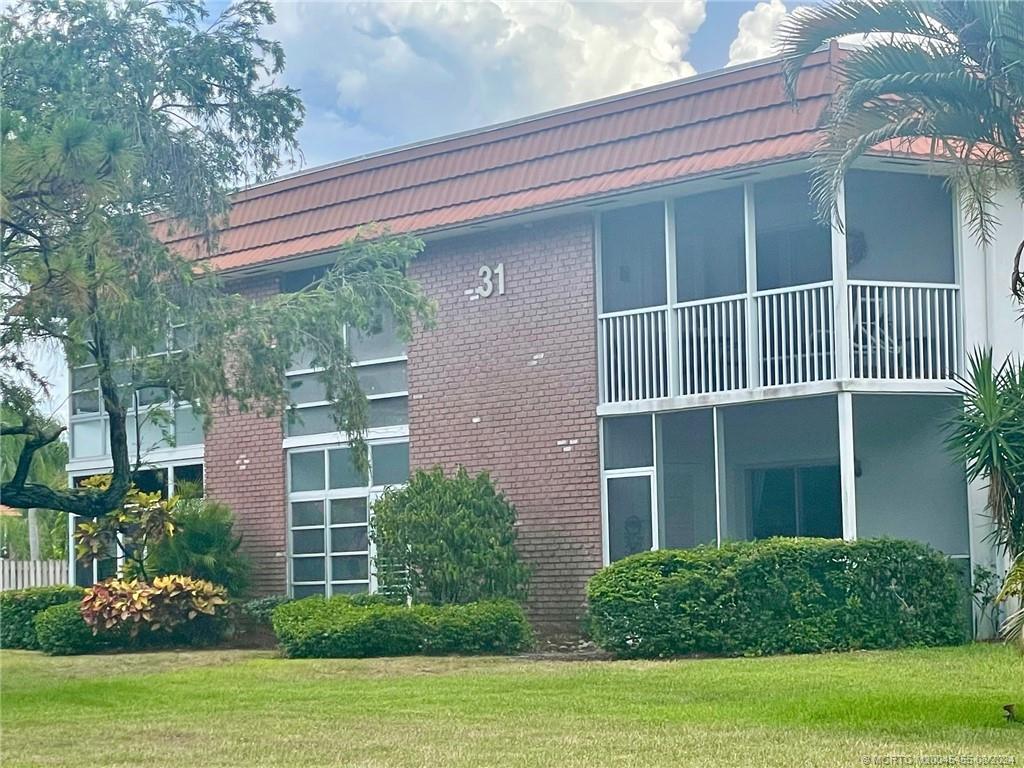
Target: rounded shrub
{"type": "Point", "coordinates": [315, 627]}
{"type": "Point", "coordinates": [491, 626]}
{"type": "Point", "coordinates": [341, 626]}
{"type": "Point", "coordinates": [62, 631]}
{"type": "Point", "coordinates": [18, 609]}
{"type": "Point", "coordinates": [779, 595]}
{"type": "Point", "coordinates": [447, 539]}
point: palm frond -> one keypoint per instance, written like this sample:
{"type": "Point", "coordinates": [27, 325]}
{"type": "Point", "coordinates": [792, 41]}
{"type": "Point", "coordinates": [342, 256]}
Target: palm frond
{"type": "Point", "coordinates": [809, 28]}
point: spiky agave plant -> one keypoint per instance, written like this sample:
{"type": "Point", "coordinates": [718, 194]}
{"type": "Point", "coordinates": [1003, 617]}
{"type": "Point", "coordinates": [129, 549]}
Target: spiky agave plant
{"type": "Point", "coordinates": [947, 72]}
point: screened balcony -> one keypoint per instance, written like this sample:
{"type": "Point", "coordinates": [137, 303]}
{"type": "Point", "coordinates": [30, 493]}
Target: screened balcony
{"type": "Point", "coordinates": [742, 288]}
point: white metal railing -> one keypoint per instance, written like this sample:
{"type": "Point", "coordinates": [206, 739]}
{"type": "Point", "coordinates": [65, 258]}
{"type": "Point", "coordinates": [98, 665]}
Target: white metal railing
{"type": "Point", "coordinates": [795, 334]}
{"type": "Point", "coordinates": [712, 347]}
{"type": "Point", "coordinates": [895, 331]}
{"type": "Point", "coordinates": [903, 330]}
{"type": "Point", "coordinates": [634, 355]}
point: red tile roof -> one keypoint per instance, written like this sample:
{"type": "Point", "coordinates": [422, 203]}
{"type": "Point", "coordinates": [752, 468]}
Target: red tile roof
{"type": "Point", "coordinates": [695, 127]}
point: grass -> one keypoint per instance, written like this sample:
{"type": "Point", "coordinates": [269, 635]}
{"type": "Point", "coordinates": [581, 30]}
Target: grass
{"type": "Point", "coordinates": [234, 708]}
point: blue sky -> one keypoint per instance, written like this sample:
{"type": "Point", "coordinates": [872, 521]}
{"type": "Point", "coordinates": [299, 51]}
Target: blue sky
{"type": "Point", "coordinates": [375, 75]}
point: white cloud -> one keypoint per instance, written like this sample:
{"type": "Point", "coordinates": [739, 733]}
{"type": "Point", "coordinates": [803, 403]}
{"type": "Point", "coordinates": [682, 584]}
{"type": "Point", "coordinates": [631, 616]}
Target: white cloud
{"type": "Point", "coordinates": [755, 38]}
{"type": "Point", "coordinates": [374, 75]}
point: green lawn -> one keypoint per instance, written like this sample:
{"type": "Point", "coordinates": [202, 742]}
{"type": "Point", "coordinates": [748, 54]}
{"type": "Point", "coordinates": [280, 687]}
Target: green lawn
{"type": "Point", "coordinates": [249, 708]}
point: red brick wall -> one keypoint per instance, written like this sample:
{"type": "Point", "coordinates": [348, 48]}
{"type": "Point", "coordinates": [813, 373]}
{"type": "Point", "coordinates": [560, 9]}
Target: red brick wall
{"type": "Point", "coordinates": [244, 468]}
{"type": "Point", "coordinates": [509, 384]}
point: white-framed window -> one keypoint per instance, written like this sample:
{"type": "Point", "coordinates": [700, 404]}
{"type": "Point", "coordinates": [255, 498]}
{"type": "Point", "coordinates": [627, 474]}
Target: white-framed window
{"type": "Point", "coordinates": [329, 503]}
{"type": "Point", "coordinates": [162, 424]}
{"type": "Point", "coordinates": [629, 494]}
{"type": "Point", "coordinates": [380, 363]}
{"type": "Point", "coordinates": [168, 479]}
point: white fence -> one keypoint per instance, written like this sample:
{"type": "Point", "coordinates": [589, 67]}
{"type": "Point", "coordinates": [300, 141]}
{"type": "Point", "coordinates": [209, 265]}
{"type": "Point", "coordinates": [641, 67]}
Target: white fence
{"type": "Point", "coordinates": [796, 330]}
{"type": "Point", "coordinates": [19, 574]}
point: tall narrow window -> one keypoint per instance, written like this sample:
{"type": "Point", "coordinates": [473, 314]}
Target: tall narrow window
{"type": "Point", "coordinates": [710, 245]}
{"type": "Point", "coordinates": [633, 258]}
{"type": "Point", "coordinates": [629, 516]}
{"type": "Point", "coordinates": [793, 247]}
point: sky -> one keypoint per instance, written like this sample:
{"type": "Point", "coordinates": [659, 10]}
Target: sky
{"type": "Point", "coordinates": [379, 75]}
{"type": "Point", "coordinates": [376, 75]}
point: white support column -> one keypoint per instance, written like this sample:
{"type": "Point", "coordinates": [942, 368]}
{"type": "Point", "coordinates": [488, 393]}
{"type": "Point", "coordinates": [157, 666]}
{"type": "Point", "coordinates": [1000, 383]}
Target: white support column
{"type": "Point", "coordinates": [847, 466]}
{"type": "Point", "coordinates": [672, 342]}
{"type": "Point", "coordinates": [604, 492]}
{"type": "Point", "coordinates": [750, 245]}
{"type": "Point", "coordinates": [602, 394]}
{"type": "Point", "coordinates": [840, 293]}
{"type": "Point", "coordinates": [719, 445]}
{"type": "Point", "coordinates": [655, 527]}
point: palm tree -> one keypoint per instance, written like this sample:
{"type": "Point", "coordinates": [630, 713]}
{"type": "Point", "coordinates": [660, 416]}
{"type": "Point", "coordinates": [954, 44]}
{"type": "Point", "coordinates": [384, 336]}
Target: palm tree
{"type": "Point", "coordinates": [948, 74]}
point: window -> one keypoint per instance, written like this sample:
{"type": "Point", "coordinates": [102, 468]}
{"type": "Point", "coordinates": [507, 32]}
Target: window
{"type": "Point", "coordinates": [633, 258]}
{"type": "Point", "coordinates": [686, 479]}
{"type": "Point", "coordinates": [627, 442]}
{"type": "Point", "coordinates": [167, 480]}
{"type": "Point", "coordinates": [380, 364]}
{"type": "Point", "coordinates": [329, 499]}
{"type": "Point", "coordinates": [629, 516]}
{"type": "Point", "coordinates": [162, 422]}
{"type": "Point", "coordinates": [628, 480]}
{"type": "Point", "coordinates": [793, 247]}
{"type": "Point", "coordinates": [710, 245]}
{"type": "Point", "coordinates": [899, 227]}
{"type": "Point", "coordinates": [796, 501]}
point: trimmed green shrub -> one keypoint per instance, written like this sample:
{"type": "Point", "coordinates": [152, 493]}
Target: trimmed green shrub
{"type": "Point", "coordinates": [261, 609]}
{"type": "Point", "coordinates": [18, 609]}
{"type": "Point", "coordinates": [341, 627]}
{"type": "Point", "coordinates": [62, 631]}
{"type": "Point", "coordinates": [493, 626]}
{"type": "Point", "coordinates": [780, 595]}
{"type": "Point", "coordinates": [445, 540]}
{"type": "Point", "coordinates": [315, 627]}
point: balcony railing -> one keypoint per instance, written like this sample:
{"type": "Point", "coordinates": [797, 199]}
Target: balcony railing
{"type": "Point", "coordinates": [712, 345]}
{"type": "Point", "coordinates": [903, 330]}
{"type": "Point", "coordinates": [795, 332]}
{"type": "Point", "coordinates": [782, 337]}
{"type": "Point", "coordinates": [634, 357]}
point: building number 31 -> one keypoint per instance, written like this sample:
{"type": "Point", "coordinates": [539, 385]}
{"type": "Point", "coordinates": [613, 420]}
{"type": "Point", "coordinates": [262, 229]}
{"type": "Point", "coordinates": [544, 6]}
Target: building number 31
{"type": "Point", "coordinates": [491, 279]}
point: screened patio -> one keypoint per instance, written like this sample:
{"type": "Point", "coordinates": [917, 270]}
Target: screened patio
{"type": "Point", "coordinates": [784, 468]}
{"type": "Point", "coordinates": [742, 288]}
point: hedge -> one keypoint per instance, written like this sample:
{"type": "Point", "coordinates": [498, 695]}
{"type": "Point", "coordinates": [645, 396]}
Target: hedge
{"type": "Point", "coordinates": [344, 627]}
{"type": "Point", "coordinates": [18, 609]}
{"type": "Point", "coordinates": [779, 595]}
{"type": "Point", "coordinates": [62, 631]}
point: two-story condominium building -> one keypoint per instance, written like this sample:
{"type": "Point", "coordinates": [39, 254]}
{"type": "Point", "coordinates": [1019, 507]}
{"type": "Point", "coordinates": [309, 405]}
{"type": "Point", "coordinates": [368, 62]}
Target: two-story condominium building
{"type": "Point", "coordinates": [643, 333]}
